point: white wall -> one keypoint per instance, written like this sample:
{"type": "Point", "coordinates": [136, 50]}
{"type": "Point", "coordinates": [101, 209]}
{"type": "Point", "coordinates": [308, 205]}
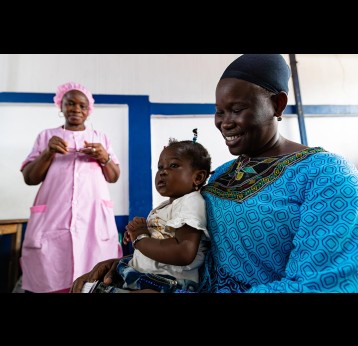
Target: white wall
{"type": "Point", "coordinates": [328, 79]}
{"type": "Point", "coordinates": [176, 78]}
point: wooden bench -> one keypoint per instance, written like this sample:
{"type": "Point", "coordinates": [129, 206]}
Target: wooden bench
{"type": "Point", "coordinates": [14, 228]}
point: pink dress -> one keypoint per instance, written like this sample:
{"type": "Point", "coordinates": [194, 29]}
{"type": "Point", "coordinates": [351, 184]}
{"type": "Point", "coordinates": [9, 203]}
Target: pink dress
{"type": "Point", "coordinates": [72, 225]}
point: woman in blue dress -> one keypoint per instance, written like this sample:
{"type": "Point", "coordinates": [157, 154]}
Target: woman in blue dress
{"type": "Point", "coordinates": [282, 217]}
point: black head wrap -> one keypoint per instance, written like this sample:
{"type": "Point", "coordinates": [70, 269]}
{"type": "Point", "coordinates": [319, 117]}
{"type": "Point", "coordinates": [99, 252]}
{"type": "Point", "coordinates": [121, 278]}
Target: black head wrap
{"type": "Point", "coordinates": [269, 71]}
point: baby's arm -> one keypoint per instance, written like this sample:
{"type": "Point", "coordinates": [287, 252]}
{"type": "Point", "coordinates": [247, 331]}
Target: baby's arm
{"type": "Point", "coordinates": [180, 250]}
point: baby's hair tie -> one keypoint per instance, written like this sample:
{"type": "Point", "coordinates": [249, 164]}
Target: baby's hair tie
{"type": "Point", "coordinates": [195, 131]}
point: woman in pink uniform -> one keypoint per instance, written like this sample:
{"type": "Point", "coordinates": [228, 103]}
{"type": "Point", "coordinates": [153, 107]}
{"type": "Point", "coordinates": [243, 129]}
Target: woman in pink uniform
{"type": "Point", "coordinates": [72, 225]}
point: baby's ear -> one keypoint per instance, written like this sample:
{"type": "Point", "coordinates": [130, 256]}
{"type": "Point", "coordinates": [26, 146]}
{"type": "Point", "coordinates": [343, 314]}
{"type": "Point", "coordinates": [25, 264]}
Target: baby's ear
{"type": "Point", "coordinates": [200, 177]}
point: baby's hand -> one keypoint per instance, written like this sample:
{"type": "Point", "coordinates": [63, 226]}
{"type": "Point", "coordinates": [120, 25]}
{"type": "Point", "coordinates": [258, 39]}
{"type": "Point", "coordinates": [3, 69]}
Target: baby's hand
{"type": "Point", "coordinates": [136, 227]}
{"type": "Point", "coordinates": [126, 238]}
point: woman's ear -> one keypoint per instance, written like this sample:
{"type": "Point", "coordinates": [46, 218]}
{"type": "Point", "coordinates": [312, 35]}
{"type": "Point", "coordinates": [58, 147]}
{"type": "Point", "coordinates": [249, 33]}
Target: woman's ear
{"type": "Point", "coordinates": [280, 101]}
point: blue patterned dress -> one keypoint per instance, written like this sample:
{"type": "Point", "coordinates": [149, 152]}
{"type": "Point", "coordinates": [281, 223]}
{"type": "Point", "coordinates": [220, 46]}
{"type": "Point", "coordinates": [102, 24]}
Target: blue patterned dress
{"type": "Point", "coordinates": [283, 224]}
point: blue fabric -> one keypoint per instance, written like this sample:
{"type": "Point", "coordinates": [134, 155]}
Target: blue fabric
{"type": "Point", "coordinates": [135, 280]}
{"type": "Point", "coordinates": [299, 233]}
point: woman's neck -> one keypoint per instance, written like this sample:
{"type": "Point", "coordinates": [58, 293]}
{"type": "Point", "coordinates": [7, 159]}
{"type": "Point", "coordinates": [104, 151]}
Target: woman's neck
{"type": "Point", "coordinates": [74, 128]}
{"type": "Point", "coordinates": [279, 146]}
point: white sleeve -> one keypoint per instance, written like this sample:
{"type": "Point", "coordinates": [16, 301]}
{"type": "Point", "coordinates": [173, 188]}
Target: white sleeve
{"type": "Point", "coordinates": [189, 209]}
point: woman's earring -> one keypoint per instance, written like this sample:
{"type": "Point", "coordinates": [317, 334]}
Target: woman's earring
{"type": "Point", "coordinates": [61, 115]}
{"type": "Point", "coordinates": [279, 118]}
{"type": "Point", "coordinates": [196, 188]}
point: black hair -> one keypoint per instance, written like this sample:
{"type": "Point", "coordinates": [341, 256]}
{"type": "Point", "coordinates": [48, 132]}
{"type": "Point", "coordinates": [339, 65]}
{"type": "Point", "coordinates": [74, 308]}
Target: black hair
{"type": "Point", "coordinates": [198, 155]}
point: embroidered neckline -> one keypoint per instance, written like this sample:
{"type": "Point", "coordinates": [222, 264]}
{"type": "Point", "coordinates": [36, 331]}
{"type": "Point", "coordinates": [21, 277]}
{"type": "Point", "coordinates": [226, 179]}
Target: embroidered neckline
{"type": "Point", "coordinates": [247, 176]}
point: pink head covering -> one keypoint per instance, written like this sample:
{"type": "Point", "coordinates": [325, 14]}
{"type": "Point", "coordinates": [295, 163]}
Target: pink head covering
{"type": "Point", "coordinates": [64, 88]}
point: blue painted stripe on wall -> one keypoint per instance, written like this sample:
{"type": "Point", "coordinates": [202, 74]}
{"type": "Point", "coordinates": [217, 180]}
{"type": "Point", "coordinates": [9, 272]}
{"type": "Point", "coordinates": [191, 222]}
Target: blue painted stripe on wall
{"type": "Point", "coordinates": [194, 108]}
{"type": "Point", "coordinates": [181, 109]}
{"type": "Point", "coordinates": [173, 108]}
{"type": "Point", "coordinates": [121, 222]}
{"type": "Point", "coordinates": [139, 150]}
{"type": "Point", "coordinates": [48, 98]}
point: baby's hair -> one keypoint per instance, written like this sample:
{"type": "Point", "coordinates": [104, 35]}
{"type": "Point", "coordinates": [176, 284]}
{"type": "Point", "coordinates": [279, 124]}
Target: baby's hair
{"type": "Point", "coordinates": [199, 156]}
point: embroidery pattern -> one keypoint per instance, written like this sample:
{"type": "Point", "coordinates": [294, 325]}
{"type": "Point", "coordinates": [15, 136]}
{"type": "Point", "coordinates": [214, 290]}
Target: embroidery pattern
{"type": "Point", "coordinates": [247, 176]}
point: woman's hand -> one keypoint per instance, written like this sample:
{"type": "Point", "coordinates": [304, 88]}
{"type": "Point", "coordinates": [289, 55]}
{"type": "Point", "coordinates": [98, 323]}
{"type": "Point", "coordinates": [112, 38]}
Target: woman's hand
{"type": "Point", "coordinates": [57, 145]}
{"type": "Point", "coordinates": [104, 271]}
{"type": "Point", "coordinates": [96, 151]}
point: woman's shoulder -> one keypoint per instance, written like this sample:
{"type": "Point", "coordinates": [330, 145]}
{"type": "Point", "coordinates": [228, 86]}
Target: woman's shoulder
{"type": "Point", "coordinates": [331, 157]}
{"type": "Point", "coordinates": [321, 161]}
